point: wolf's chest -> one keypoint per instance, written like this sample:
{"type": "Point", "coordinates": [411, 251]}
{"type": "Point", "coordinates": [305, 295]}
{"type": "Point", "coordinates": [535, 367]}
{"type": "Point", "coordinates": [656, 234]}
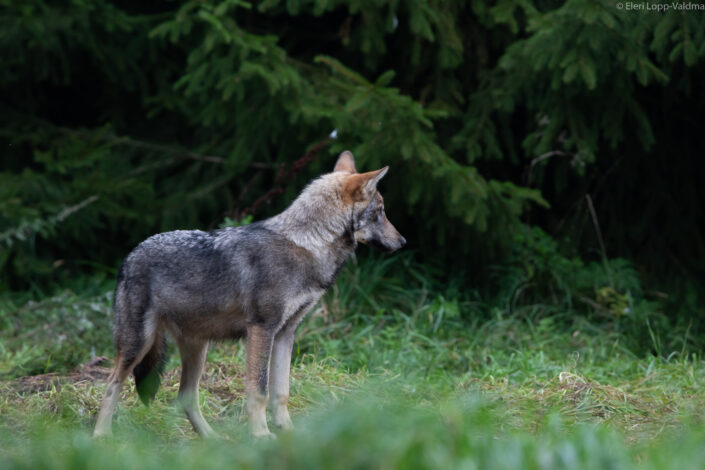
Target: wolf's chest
{"type": "Point", "coordinates": [298, 306]}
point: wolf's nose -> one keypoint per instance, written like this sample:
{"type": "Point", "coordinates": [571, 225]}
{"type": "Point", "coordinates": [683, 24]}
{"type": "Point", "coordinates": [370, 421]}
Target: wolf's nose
{"type": "Point", "coordinates": [403, 241]}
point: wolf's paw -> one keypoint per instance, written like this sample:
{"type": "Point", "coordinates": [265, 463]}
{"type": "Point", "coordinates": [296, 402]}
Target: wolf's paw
{"type": "Point", "coordinates": [102, 434]}
{"type": "Point", "coordinates": [264, 435]}
{"type": "Point", "coordinates": [284, 424]}
{"type": "Point", "coordinates": [210, 434]}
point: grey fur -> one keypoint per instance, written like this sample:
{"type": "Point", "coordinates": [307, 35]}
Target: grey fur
{"type": "Point", "coordinates": [256, 281]}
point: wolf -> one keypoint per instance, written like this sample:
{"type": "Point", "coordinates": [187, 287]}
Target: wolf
{"type": "Point", "coordinates": [255, 282]}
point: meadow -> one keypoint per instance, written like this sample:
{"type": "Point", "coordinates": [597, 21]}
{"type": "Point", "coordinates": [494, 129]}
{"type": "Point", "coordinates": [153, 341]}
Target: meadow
{"type": "Point", "coordinates": [547, 313]}
{"type": "Point", "coordinates": [393, 369]}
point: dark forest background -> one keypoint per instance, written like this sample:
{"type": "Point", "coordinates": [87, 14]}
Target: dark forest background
{"type": "Point", "coordinates": [541, 151]}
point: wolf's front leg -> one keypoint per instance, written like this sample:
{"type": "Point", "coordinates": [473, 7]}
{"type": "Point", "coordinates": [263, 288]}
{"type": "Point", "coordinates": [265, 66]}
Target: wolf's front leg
{"type": "Point", "coordinates": [259, 350]}
{"type": "Point", "coordinates": [279, 381]}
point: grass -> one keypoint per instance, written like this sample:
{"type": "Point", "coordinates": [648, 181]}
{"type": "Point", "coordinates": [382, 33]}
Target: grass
{"type": "Point", "coordinates": [392, 370]}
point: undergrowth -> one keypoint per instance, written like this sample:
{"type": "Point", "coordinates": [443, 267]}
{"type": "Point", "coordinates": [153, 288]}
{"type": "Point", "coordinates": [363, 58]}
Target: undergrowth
{"type": "Point", "coordinates": [394, 369]}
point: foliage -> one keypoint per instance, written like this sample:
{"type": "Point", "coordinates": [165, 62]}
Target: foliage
{"type": "Point", "coordinates": [124, 119]}
{"type": "Point", "coordinates": [56, 333]}
{"type": "Point", "coordinates": [463, 433]}
{"type": "Point", "coordinates": [610, 292]}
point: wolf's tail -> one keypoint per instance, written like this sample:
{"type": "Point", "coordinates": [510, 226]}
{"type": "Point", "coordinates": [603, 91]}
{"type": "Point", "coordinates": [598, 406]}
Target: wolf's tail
{"type": "Point", "coordinates": [148, 372]}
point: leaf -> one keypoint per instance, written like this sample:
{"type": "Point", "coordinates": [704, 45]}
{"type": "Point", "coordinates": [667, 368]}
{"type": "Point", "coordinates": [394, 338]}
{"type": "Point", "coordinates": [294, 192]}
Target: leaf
{"type": "Point", "coordinates": [587, 70]}
{"type": "Point", "coordinates": [385, 78]}
{"type": "Point", "coordinates": [689, 54]}
{"type": "Point", "coordinates": [570, 72]}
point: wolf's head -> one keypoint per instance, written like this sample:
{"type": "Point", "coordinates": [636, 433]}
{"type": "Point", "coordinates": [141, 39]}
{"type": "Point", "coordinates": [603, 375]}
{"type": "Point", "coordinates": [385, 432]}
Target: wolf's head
{"type": "Point", "coordinates": [359, 191]}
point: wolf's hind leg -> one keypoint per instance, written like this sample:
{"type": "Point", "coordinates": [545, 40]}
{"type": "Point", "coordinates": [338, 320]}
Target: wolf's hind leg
{"type": "Point", "coordinates": [279, 378]}
{"type": "Point", "coordinates": [104, 424]}
{"type": "Point", "coordinates": [123, 367]}
{"type": "Point", "coordinates": [259, 350]}
{"type": "Point", "coordinates": [193, 359]}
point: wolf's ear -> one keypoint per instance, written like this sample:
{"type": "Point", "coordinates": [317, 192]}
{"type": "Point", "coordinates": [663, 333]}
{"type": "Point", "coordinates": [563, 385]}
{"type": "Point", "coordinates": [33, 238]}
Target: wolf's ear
{"type": "Point", "coordinates": [376, 176]}
{"type": "Point", "coordinates": [362, 186]}
{"type": "Point", "coordinates": [346, 162]}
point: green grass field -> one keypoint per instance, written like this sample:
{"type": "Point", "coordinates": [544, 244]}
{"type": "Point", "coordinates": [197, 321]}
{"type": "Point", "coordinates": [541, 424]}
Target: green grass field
{"type": "Point", "coordinates": [392, 370]}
